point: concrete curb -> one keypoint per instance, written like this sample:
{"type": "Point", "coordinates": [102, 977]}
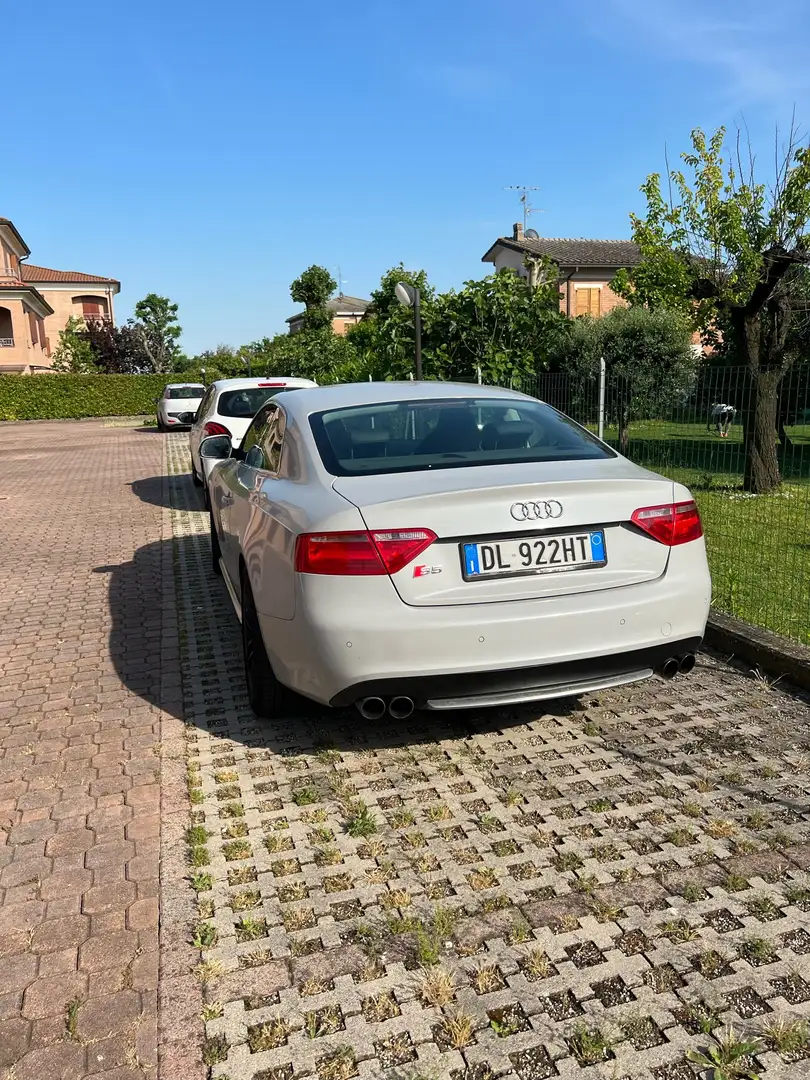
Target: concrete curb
{"type": "Point", "coordinates": [760, 648]}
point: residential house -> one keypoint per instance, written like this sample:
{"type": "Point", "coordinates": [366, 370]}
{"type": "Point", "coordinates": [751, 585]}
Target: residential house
{"type": "Point", "coordinates": [346, 311]}
{"type": "Point", "coordinates": [36, 303]}
{"type": "Point", "coordinates": [585, 268]}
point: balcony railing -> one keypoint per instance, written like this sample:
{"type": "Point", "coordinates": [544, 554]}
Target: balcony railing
{"type": "Point", "coordinates": [6, 342]}
{"type": "Point", "coordinates": [9, 273]}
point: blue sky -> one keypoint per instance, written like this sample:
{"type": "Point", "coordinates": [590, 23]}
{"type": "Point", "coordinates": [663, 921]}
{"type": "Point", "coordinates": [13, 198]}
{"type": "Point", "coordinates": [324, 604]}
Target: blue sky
{"type": "Point", "coordinates": [210, 152]}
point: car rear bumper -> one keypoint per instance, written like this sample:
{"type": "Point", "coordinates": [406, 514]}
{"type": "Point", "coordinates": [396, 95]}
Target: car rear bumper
{"type": "Point", "coordinates": [511, 686]}
{"type": "Point", "coordinates": [351, 638]}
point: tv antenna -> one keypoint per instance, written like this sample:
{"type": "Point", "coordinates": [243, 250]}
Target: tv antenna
{"type": "Point", "coordinates": [524, 190]}
{"type": "Point", "coordinates": [341, 280]}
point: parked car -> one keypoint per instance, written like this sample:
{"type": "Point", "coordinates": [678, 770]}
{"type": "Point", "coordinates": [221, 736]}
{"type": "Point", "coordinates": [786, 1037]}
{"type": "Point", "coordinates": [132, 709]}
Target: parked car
{"type": "Point", "coordinates": [177, 405]}
{"type": "Point", "coordinates": [393, 546]}
{"type": "Point", "coordinates": [227, 409]}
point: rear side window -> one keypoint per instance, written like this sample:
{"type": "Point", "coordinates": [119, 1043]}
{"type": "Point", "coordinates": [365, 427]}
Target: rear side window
{"type": "Point", "coordinates": [409, 436]}
{"type": "Point", "coordinates": [247, 402]}
{"type": "Point", "coordinates": [176, 393]}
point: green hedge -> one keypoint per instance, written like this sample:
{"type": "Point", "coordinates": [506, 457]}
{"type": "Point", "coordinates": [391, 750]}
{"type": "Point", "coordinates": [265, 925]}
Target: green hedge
{"type": "Point", "coordinates": [62, 397]}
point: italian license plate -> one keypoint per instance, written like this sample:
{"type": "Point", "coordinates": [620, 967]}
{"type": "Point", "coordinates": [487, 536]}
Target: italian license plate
{"type": "Point", "coordinates": [534, 555]}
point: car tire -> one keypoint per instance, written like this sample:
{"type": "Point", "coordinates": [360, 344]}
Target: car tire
{"type": "Point", "coordinates": [196, 480]}
{"type": "Point", "coordinates": [160, 425]}
{"type": "Point", "coordinates": [268, 697]}
{"type": "Point", "coordinates": [216, 550]}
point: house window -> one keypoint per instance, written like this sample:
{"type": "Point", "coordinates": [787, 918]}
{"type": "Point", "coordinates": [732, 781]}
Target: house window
{"type": "Point", "coordinates": [32, 322]}
{"type": "Point", "coordinates": [6, 328]}
{"type": "Point", "coordinates": [92, 307]}
{"type": "Point", "coordinates": [588, 301]}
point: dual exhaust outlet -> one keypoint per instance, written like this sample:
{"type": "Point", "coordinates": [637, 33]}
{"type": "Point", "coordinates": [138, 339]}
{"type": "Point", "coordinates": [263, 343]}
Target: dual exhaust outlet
{"type": "Point", "coordinates": [678, 665]}
{"type": "Point", "coordinates": [375, 708]}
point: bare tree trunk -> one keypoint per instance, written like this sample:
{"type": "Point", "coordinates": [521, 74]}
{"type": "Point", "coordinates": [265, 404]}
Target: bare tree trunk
{"type": "Point", "coordinates": [761, 459]}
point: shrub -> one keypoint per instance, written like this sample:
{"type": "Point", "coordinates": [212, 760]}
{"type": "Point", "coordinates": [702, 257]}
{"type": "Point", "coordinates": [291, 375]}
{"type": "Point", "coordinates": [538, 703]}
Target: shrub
{"type": "Point", "coordinates": [64, 397]}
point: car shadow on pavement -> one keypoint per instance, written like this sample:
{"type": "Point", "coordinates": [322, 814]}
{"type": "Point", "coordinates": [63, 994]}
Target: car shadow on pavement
{"type": "Point", "coordinates": [155, 491]}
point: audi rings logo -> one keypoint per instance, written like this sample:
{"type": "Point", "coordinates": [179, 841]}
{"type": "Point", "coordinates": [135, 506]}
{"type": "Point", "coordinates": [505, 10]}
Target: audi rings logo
{"type": "Point", "coordinates": [534, 511]}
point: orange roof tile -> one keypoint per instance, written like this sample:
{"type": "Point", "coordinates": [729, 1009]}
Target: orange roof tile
{"type": "Point", "coordinates": [44, 274]}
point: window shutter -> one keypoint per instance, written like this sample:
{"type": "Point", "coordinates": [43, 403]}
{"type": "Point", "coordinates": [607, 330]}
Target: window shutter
{"type": "Point", "coordinates": [588, 301]}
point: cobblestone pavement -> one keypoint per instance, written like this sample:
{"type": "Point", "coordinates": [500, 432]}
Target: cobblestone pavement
{"type": "Point", "coordinates": [79, 791]}
{"type": "Point", "coordinates": [617, 880]}
{"type": "Point", "coordinates": [599, 889]}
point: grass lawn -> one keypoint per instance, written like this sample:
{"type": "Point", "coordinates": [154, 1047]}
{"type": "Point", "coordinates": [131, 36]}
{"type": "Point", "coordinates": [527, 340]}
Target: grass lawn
{"type": "Point", "coordinates": [759, 545]}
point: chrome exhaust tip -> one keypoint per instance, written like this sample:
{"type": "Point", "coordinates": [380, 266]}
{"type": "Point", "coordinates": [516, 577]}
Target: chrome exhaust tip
{"type": "Point", "coordinates": [687, 663]}
{"type": "Point", "coordinates": [400, 708]}
{"type": "Point", "coordinates": [371, 708]}
{"type": "Point", "coordinates": [671, 668]}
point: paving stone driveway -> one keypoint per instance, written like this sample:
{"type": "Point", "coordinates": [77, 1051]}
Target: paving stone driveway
{"type": "Point", "coordinates": [79, 777]}
{"type": "Point", "coordinates": [590, 891]}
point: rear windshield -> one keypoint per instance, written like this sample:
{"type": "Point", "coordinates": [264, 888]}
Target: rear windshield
{"type": "Point", "coordinates": [176, 392]}
{"type": "Point", "coordinates": [246, 403]}
{"type": "Point", "coordinates": [408, 436]}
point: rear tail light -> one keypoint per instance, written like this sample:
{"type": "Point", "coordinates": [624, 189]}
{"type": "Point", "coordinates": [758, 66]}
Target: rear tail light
{"type": "Point", "coordinates": [213, 428]}
{"type": "Point", "coordinates": [672, 524]}
{"type": "Point", "coordinates": [360, 553]}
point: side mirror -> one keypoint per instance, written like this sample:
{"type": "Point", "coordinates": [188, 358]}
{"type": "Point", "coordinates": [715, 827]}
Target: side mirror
{"type": "Point", "coordinates": [216, 447]}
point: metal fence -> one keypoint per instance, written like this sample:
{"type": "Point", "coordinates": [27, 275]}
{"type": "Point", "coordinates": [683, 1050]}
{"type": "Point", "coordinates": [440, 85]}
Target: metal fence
{"type": "Point", "coordinates": [759, 545]}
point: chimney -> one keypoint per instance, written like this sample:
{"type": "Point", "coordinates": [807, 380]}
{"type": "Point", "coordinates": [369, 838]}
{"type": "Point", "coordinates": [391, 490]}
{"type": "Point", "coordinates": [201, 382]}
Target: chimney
{"type": "Point", "coordinates": [517, 231]}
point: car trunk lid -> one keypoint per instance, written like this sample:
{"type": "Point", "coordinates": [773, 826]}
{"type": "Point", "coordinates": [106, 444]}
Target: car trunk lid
{"type": "Point", "coordinates": [483, 505]}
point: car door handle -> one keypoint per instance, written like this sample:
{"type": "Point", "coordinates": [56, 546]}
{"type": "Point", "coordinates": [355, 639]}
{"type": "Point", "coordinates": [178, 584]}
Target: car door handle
{"type": "Point", "coordinates": [226, 499]}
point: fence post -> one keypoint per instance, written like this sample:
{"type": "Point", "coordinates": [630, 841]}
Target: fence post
{"type": "Point", "coordinates": [601, 428]}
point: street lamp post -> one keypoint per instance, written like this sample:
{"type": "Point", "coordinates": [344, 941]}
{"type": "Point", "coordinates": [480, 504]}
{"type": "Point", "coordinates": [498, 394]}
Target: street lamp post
{"type": "Point", "coordinates": [410, 296]}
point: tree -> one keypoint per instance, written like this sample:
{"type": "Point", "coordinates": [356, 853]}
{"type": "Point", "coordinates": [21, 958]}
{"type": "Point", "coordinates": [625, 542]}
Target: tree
{"type": "Point", "coordinates": [156, 323]}
{"type": "Point", "coordinates": [118, 349]}
{"type": "Point", "coordinates": [74, 353]}
{"type": "Point", "coordinates": [321, 355]}
{"type": "Point", "coordinates": [504, 324]}
{"type": "Point", "coordinates": [647, 353]}
{"type": "Point", "coordinates": [313, 289]}
{"type": "Point", "coordinates": [726, 254]}
{"type": "Point", "coordinates": [385, 335]}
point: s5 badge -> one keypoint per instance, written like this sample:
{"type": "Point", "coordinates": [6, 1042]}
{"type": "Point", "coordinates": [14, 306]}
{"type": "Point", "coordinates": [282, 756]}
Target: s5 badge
{"type": "Point", "coordinates": [423, 571]}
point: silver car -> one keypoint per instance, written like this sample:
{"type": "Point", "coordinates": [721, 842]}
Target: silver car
{"type": "Point", "coordinates": [393, 546]}
{"type": "Point", "coordinates": [178, 404]}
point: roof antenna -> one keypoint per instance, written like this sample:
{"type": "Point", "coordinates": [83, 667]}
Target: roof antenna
{"type": "Point", "coordinates": [340, 280]}
{"type": "Point", "coordinates": [524, 190]}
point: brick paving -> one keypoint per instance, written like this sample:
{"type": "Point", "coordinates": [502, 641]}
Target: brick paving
{"type": "Point", "coordinates": [80, 636]}
{"type": "Point", "coordinates": [615, 880]}
{"type": "Point", "coordinates": [603, 886]}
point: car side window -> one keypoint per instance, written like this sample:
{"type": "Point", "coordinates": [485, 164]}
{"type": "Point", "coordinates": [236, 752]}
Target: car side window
{"type": "Point", "coordinates": [206, 401]}
{"type": "Point", "coordinates": [255, 440]}
{"type": "Point", "coordinates": [273, 440]}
